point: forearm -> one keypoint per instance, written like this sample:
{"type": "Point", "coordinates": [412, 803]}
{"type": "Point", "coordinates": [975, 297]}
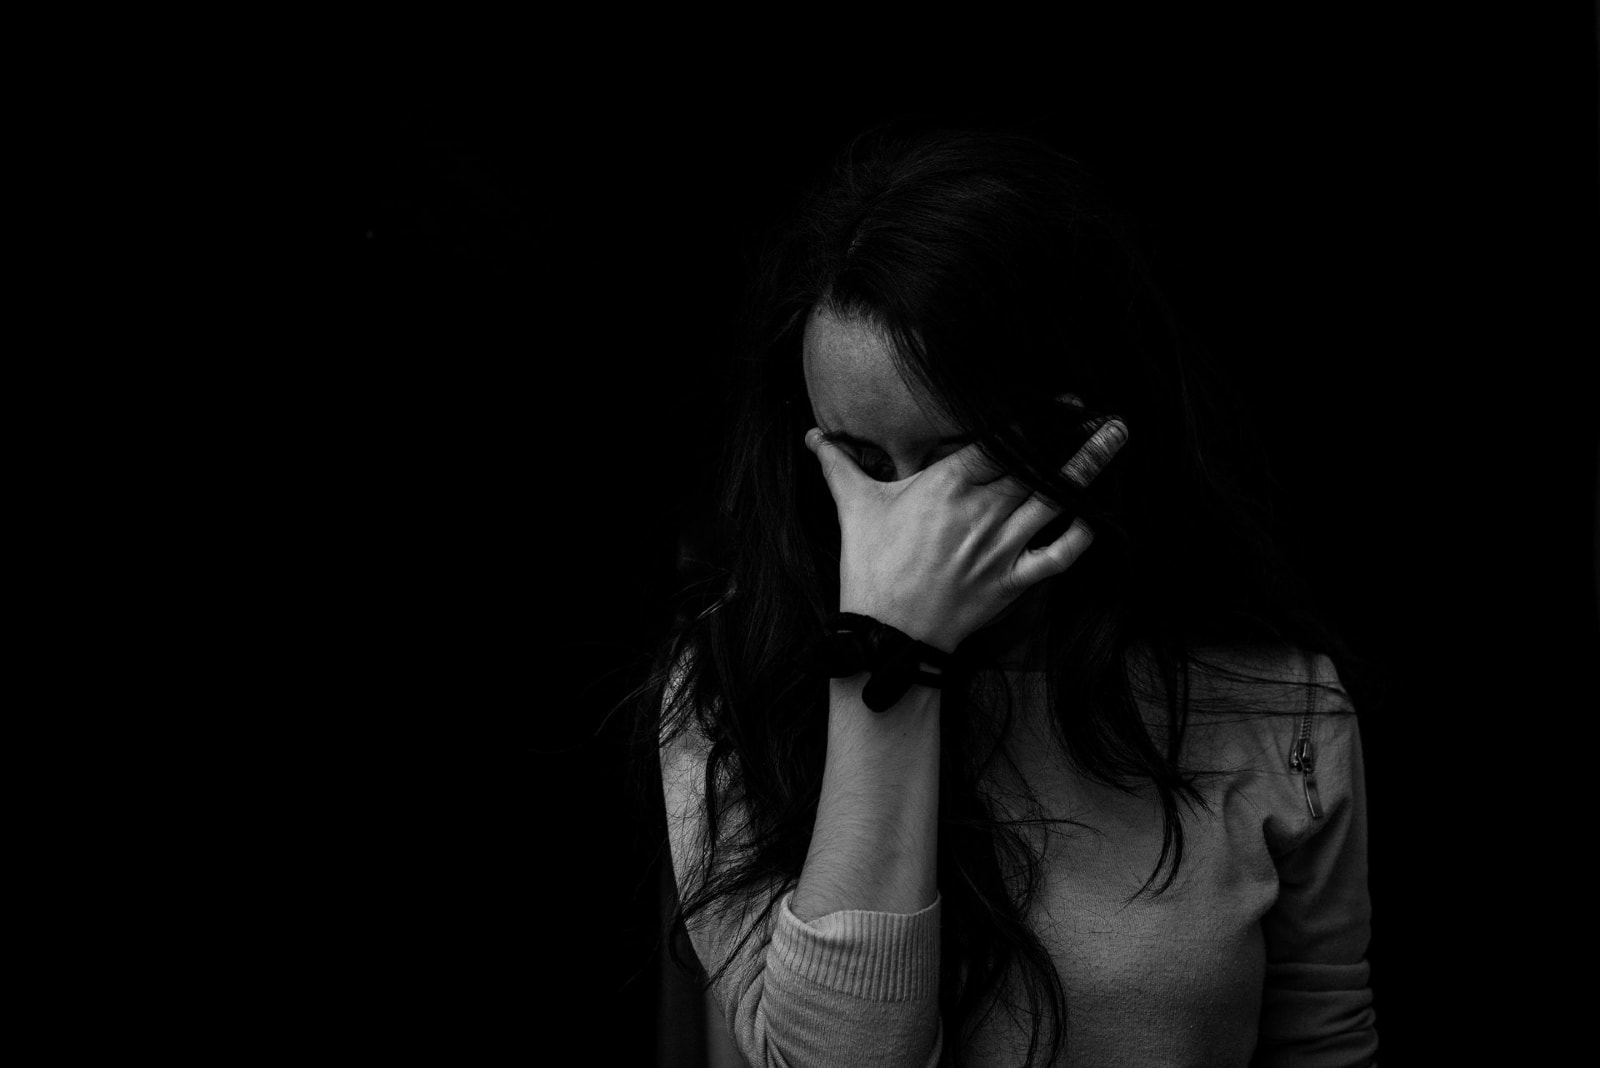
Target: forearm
{"type": "Point", "coordinates": [875, 843]}
{"type": "Point", "coordinates": [828, 985]}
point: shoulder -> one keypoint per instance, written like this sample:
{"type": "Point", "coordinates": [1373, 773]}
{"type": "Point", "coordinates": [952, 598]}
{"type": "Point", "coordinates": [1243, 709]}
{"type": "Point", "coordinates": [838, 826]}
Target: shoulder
{"type": "Point", "coordinates": [685, 754]}
{"type": "Point", "coordinates": [687, 751]}
{"type": "Point", "coordinates": [1251, 706]}
{"type": "Point", "coordinates": [1279, 681]}
{"type": "Point", "coordinates": [1279, 725]}
{"type": "Point", "coordinates": [683, 744]}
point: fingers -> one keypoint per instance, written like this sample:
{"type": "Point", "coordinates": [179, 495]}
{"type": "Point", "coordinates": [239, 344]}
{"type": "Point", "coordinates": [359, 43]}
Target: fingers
{"type": "Point", "coordinates": [1096, 453]}
{"type": "Point", "coordinates": [1032, 514]}
{"type": "Point", "coordinates": [977, 467]}
{"type": "Point", "coordinates": [1052, 558]}
{"type": "Point", "coordinates": [1055, 557]}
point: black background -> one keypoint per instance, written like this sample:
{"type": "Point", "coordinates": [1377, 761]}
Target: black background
{"type": "Point", "coordinates": [1383, 230]}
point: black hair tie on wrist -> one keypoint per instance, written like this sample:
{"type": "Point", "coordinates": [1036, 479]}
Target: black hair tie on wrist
{"type": "Point", "coordinates": [854, 643]}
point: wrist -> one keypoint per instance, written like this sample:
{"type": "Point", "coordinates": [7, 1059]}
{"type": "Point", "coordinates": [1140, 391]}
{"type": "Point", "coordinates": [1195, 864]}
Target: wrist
{"type": "Point", "coordinates": [916, 702]}
{"type": "Point", "coordinates": [918, 628]}
{"type": "Point", "coordinates": [891, 661]}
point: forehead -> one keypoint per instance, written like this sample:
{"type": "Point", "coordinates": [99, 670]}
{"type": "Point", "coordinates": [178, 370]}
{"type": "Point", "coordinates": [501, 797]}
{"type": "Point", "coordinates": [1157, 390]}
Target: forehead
{"type": "Point", "coordinates": [855, 386]}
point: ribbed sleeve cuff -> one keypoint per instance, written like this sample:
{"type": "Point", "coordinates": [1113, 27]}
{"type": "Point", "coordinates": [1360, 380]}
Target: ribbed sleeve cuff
{"type": "Point", "coordinates": [881, 956]}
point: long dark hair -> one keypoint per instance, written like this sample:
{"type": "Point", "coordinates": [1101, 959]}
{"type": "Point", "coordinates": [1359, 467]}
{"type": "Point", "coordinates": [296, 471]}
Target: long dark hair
{"type": "Point", "coordinates": [1001, 280]}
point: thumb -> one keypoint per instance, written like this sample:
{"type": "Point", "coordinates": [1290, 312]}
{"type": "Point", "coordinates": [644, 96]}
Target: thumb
{"type": "Point", "coordinates": [838, 469]}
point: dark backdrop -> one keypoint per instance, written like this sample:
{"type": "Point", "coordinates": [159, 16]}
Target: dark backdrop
{"type": "Point", "coordinates": [1384, 233]}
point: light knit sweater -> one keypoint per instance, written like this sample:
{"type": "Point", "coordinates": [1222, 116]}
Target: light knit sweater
{"type": "Point", "coordinates": [1254, 956]}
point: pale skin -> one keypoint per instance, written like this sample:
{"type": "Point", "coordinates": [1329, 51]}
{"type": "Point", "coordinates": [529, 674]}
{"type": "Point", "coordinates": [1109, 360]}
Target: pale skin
{"type": "Point", "coordinates": [934, 538]}
{"type": "Point", "coordinates": [935, 545]}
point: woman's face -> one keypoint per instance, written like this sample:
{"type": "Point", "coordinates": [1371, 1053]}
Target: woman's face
{"type": "Point", "coordinates": [862, 403]}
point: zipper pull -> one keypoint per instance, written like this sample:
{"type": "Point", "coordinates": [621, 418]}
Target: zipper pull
{"type": "Point", "coordinates": [1303, 759]}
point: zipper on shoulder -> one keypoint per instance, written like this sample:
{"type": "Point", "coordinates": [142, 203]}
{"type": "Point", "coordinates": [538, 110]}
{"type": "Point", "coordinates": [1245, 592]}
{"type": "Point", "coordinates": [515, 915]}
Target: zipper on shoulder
{"type": "Point", "coordinates": [1303, 760]}
{"type": "Point", "coordinates": [1303, 757]}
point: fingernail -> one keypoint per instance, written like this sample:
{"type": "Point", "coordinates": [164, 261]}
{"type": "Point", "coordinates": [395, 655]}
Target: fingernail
{"type": "Point", "coordinates": [1116, 432]}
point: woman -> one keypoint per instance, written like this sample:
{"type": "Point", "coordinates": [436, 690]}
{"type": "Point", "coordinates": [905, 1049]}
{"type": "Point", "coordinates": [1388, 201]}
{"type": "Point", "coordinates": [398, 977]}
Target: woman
{"type": "Point", "coordinates": [1118, 818]}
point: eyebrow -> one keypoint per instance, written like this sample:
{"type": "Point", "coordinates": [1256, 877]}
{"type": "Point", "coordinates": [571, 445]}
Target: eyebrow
{"type": "Point", "coordinates": [847, 438]}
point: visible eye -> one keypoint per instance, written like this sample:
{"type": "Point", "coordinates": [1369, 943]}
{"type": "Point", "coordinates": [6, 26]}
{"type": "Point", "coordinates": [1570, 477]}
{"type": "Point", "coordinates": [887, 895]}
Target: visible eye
{"type": "Point", "coordinates": [877, 465]}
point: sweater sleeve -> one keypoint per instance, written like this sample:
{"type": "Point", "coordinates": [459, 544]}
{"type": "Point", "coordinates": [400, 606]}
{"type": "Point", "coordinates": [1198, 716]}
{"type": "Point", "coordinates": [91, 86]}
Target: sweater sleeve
{"type": "Point", "coordinates": [1317, 1004]}
{"type": "Point", "coordinates": [851, 987]}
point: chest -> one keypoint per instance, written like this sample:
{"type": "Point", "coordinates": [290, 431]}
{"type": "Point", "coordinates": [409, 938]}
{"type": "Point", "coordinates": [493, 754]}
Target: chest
{"type": "Point", "coordinates": [1150, 978]}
